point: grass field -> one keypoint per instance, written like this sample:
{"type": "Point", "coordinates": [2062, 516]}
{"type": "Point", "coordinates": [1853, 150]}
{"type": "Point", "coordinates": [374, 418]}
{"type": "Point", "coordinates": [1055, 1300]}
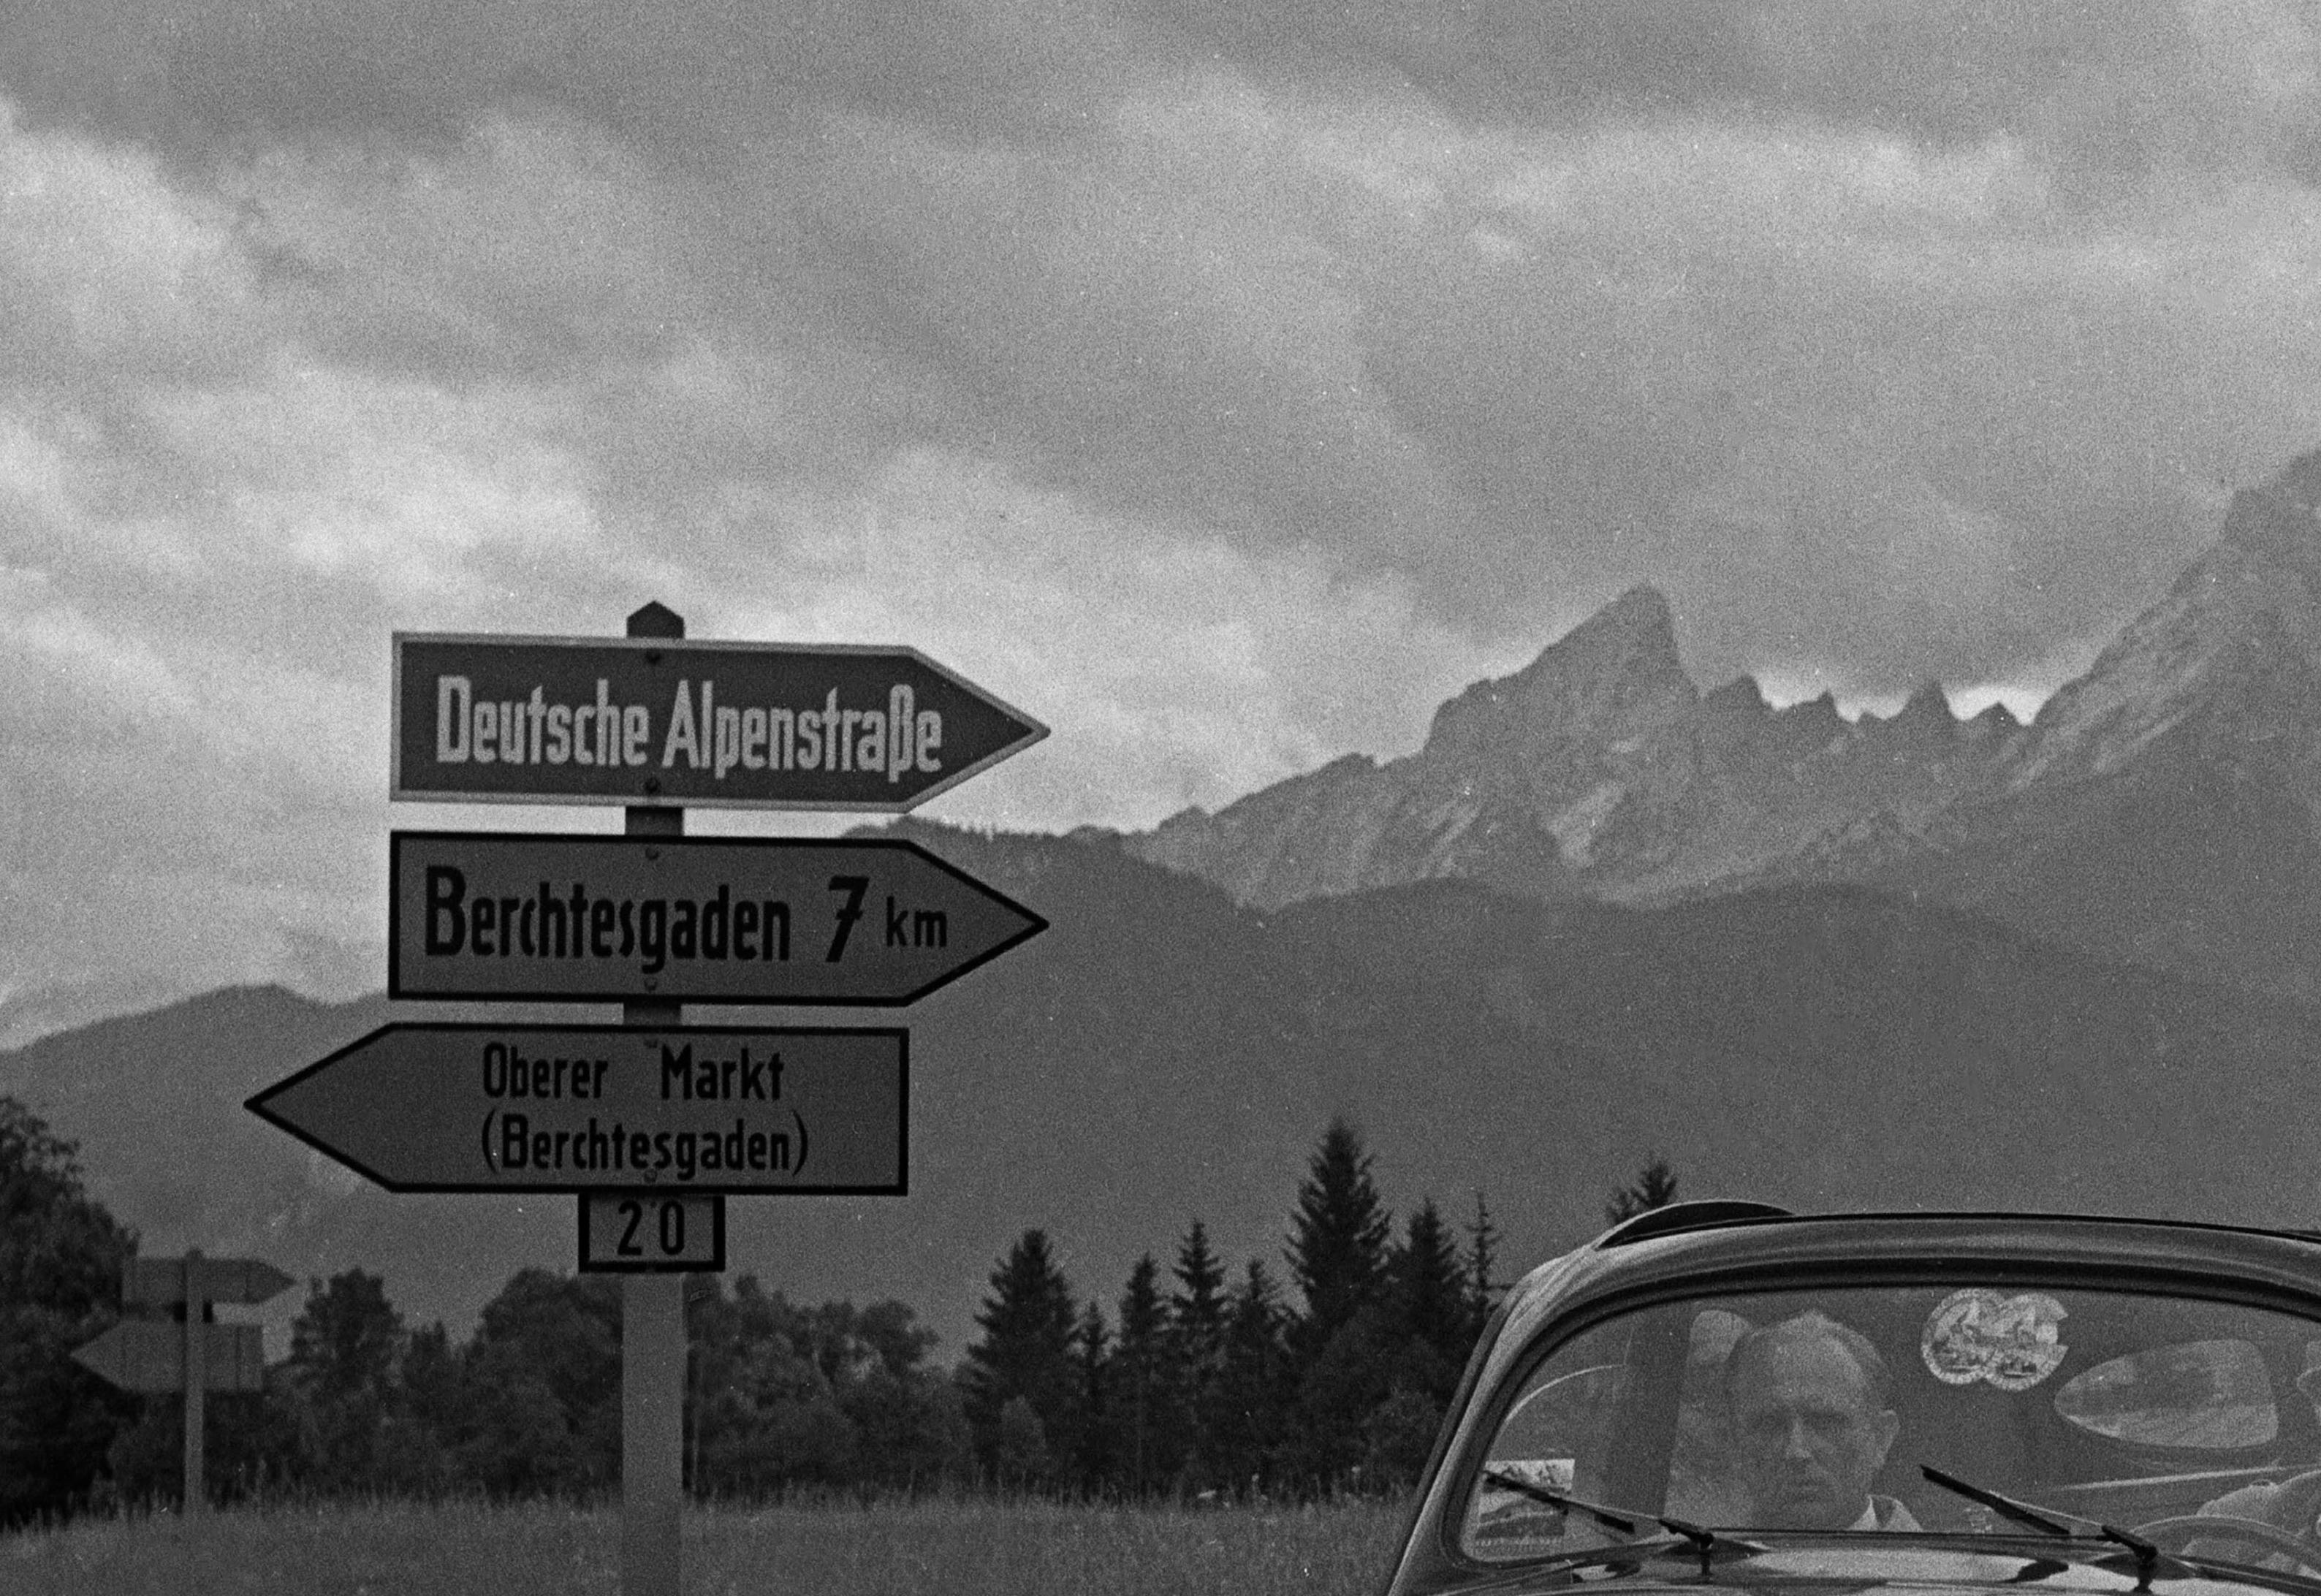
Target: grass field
{"type": "Point", "coordinates": [944, 1548]}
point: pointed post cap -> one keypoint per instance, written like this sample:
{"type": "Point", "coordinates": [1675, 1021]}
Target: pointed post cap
{"type": "Point", "coordinates": [656, 619]}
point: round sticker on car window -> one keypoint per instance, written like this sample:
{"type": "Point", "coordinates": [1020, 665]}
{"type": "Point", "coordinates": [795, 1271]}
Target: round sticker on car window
{"type": "Point", "coordinates": [2012, 1343]}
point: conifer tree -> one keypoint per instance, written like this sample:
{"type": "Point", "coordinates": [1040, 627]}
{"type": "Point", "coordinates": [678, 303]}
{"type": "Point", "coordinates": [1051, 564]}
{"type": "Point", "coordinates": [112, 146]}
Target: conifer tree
{"type": "Point", "coordinates": [1653, 1187]}
{"type": "Point", "coordinates": [1244, 1419]}
{"type": "Point", "coordinates": [1482, 1252]}
{"type": "Point", "coordinates": [1338, 1239]}
{"type": "Point", "coordinates": [1197, 1307]}
{"type": "Point", "coordinates": [1429, 1306]}
{"type": "Point", "coordinates": [1141, 1383]}
{"type": "Point", "coordinates": [1026, 1347]}
{"type": "Point", "coordinates": [1197, 1313]}
{"type": "Point", "coordinates": [1091, 1340]}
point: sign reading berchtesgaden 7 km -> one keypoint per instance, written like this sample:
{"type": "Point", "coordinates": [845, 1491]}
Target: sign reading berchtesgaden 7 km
{"type": "Point", "coordinates": [594, 720]}
{"type": "Point", "coordinates": [514, 916]}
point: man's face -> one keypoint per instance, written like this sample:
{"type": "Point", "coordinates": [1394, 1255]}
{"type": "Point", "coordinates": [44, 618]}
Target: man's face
{"type": "Point", "coordinates": [1807, 1439]}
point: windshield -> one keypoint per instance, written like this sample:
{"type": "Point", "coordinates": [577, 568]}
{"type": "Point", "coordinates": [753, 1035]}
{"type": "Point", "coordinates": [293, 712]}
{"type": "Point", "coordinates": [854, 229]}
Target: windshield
{"type": "Point", "coordinates": [1815, 1410]}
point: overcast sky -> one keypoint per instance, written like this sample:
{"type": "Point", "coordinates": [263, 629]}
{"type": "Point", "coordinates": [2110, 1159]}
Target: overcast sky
{"type": "Point", "coordinates": [1225, 384]}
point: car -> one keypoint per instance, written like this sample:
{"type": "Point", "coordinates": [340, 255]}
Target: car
{"type": "Point", "coordinates": [1731, 1393]}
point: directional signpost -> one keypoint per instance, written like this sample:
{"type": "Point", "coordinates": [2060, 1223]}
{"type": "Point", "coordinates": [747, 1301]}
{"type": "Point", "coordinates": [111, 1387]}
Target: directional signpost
{"type": "Point", "coordinates": [141, 1355]}
{"type": "Point", "coordinates": [191, 1357]}
{"type": "Point", "coordinates": [652, 1123]}
{"type": "Point", "coordinates": [594, 720]}
{"type": "Point", "coordinates": [721, 1108]}
{"type": "Point", "coordinates": [160, 1283]}
{"type": "Point", "coordinates": [508, 916]}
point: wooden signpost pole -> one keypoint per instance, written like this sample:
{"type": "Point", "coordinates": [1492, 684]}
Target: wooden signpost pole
{"type": "Point", "coordinates": [652, 1317]}
{"type": "Point", "coordinates": [196, 1370]}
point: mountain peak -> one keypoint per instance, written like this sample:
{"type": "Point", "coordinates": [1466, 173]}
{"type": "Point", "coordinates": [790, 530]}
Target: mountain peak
{"type": "Point", "coordinates": [1811, 723]}
{"type": "Point", "coordinates": [1638, 617]}
{"type": "Point", "coordinates": [1928, 705]}
{"type": "Point", "coordinates": [1996, 717]}
{"type": "Point", "coordinates": [1738, 699]}
{"type": "Point", "coordinates": [1610, 676]}
{"type": "Point", "coordinates": [1633, 636]}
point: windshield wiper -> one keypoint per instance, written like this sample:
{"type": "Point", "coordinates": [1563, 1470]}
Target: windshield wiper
{"type": "Point", "coordinates": [1622, 1521]}
{"type": "Point", "coordinates": [1618, 1523]}
{"type": "Point", "coordinates": [2147, 1555]}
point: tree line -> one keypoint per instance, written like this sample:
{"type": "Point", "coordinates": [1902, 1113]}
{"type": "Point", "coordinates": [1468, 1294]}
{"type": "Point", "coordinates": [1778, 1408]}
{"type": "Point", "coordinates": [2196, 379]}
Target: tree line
{"type": "Point", "coordinates": [1195, 1378]}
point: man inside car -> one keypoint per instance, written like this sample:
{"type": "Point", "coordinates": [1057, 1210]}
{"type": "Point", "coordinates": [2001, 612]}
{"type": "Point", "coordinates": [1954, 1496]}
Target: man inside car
{"type": "Point", "coordinates": [1807, 1400]}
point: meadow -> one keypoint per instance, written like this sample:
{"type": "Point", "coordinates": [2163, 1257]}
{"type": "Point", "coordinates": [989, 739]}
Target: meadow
{"type": "Point", "coordinates": [942, 1547]}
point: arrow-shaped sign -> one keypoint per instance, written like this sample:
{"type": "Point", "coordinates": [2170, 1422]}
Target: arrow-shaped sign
{"type": "Point", "coordinates": [160, 1283]}
{"type": "Point", "coordinates": [596, 720]}
{"type": "Point", "coordinates": [510, 916]}
{"type": "Point", "coordinates": [150, 1355]}
{"type": "Point", "coordinates": [522, 1108]}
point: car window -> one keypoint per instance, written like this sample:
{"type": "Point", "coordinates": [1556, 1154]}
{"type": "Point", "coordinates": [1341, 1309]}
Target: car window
{"type": "Point", "coordinates": [1815, 1409]}
{"type": "Point", "coordinates": [2206, 1395]}
{"type": "Point", "coordinates": [1556, 1434]}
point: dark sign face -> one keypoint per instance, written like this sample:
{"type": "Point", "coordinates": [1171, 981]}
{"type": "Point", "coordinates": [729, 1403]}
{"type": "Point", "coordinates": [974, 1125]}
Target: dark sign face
{"type": "Point", "coordinates": [514, 917]}
{"type": "Point", "coordinates": [519, 1107]}
{"type": "Point", "coordinates": [710, 725]}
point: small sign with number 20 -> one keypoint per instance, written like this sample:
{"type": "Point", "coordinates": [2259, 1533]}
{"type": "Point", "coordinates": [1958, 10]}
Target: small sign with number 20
{"type": "Point", "coordinates": [648, 1232]}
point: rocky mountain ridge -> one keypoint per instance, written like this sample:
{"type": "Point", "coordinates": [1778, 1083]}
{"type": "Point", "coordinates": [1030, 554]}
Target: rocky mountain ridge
{"type": "Point", "coordinates": [1601, 770]}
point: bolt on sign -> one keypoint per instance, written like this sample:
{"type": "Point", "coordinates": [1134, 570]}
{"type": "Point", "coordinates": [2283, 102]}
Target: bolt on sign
{"type": "Point", "coordinates": [508, 915]}
{"type": "Point", "coordinates": [593, 720]}
{"type": "Point", "coordinates": [429, 1107]}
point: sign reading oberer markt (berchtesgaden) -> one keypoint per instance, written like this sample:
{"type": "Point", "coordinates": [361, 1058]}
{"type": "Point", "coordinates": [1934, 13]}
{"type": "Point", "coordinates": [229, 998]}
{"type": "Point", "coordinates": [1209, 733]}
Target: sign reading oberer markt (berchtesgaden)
{"type": "Point", "coordinates": [431, 1107]}
{"type": "Point", "coordinates": [593, 720]}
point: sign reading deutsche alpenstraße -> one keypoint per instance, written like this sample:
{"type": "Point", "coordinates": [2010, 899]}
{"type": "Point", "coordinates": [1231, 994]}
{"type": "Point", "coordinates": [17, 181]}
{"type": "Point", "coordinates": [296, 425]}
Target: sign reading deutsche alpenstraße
{"type": "Point", "coordinates": [514, 916]}
{"type": "Point", "coordinates": [523, 1107]}
{"type": "Point", "coordinates": [597, 720]}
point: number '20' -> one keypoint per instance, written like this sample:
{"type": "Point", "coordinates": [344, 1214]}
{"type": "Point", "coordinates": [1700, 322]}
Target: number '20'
{"type": "Point", "coordinates": [670, 1223]}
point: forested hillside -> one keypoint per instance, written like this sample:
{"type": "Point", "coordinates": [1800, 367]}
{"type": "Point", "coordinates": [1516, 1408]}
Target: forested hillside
{"type": "Point", "coordinates": [1199, 1375]}
{"type": "Point", "coordinates": [1160, 1054]}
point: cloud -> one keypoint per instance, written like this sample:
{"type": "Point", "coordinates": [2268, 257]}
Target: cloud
{"type": "Point", "coordinates": [1287, 281]}
{"type": "Point", "coordinates": [1174, 666]}
{"type": "Point", "coordinates": [213, 529]}
{"type": "Point", "coordinates": [1225, 384]}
